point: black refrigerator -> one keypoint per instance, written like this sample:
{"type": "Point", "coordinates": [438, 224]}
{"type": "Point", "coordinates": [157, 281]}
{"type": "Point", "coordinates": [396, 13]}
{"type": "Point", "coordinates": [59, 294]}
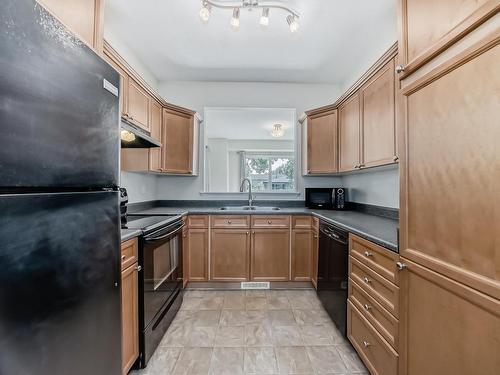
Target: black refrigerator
{"type": "Point", "coordinates": [59, 211]}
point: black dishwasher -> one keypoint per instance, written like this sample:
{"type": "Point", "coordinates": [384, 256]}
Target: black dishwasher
{"type": "Point", "coordinates": [333, 273]}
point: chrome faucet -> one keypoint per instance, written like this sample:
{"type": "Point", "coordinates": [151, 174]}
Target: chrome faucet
{"type": "Point", "coordinates": [250, 198]}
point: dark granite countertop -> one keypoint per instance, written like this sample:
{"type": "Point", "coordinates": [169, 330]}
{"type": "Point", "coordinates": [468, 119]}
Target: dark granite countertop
{"type": "Point", "coordinates": [380, 230]}
{"type": "Point", "coordinates": [127, 234]}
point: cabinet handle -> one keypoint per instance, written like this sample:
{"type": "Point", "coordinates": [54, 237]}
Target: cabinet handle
{"type": "Point", "coordinates": [367, 307]}
{"type": "Point", "coordinates": [356, 166]}
{"type": "Point", "coordinates": [248, 233]}
{"type": "Point", "coordinates": [123, 257]}
{"type": "Point", "coordinates": [253, 232]}
{"type": "Point", "coordinates": [315, 236]}
{"type": "Point", "coordinates": [361, 166]}
{"type": "Point", "coordinates": [269, 221]}
{"type": "Point", "coordinates": [396, 158]}
{"type": "Point", "coordinates": [138, 268]}
{"type": "Point", "coordinates": [229, 221]}
{"type": "Point", "coordinates": [308, 171]}
{"type": "Point", "coordinates": [366, 344]}
{"type": "Point", "coordinates": [401, 266]}
{"type": "Point", "coordinates": [400, 69]}
{"type": "Point", "coordinates": [367, 280]}
{"type": "Point", "coordinates": [368, 254]}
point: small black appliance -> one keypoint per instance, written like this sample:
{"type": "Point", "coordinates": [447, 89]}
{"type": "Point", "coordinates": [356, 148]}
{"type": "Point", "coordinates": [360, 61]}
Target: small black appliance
{"type": "Point", "coordinates": [326, 198]}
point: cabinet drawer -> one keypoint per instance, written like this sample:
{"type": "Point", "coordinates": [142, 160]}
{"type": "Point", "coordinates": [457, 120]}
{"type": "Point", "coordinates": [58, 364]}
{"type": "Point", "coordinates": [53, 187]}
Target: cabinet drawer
{"type": "Point", "coordinates": [380, 318]}
{"type": "Point", "coordinates": [198, 221]}
{"type": "Point", "coordinates": [301, 222]}
{"type": "Point", "coordinates": [383, 291]}
{"type": "Point", "coordinates": [129, 253]}
{"type": "Point", "coordinates": [233, 221]}
{"type": "Point", "coordinates": [376, 353]}
{"type": "Point", "coordinates": [274, 221]}
{"type": "Point", "coordinates": [376, 257]}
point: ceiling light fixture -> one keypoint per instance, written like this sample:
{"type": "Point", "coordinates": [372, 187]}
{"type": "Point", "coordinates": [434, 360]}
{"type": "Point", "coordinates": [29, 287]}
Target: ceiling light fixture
{"type": "Point", "coordinates": [278, 131]}
{"type": "Point", "coordinates": [264, 19]}
{"type": "Point", "coordinates": [292, 23]}
{"type": "Point", "coordinates": [235, 21]}
{"type": "Point", "coordinates": [205, 12]}
{"type": "Point", "coordinates": [292, 17]}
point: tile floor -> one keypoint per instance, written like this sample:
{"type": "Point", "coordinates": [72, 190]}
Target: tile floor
{"type": "Point", "coordinates": [253, 332]}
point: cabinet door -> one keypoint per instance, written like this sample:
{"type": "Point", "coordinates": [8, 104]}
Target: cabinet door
{"type": "Point", "coordinates": [349, 134]}
{"type": "Point", "coordinates": [83, 17]}
{"type": "Point", "coordinates": [177, 142]}
{"type": "Point", "coordinates": [322, 143]}
{"type": "Point", "coordinates": [138, 105]}
{"type": "Point", "coordinates": [378, 118]}
{"type": "Point", "coordinates": [230, 255]}
{"type": "Point", "coordinates": [446, 327]}
{"type": "Point", "coordinates": [301, 254]}
{"type": "Point", "coordinates": [198, 254]}
{"type": "Point", "coordinates": [130, 317]}
{"type": "Point", "coordinates": [314, 266]}
{"type": "Point", "coordinates": [424, 33]}
{"type": "Point", "coordinates": [185, 256]}
{"type": "Point", "coordinates": [450, 207]}
{"type": "Point", "coordinates": [155, 115]}
{"type": "Point", "coordinates": [123, 83]}
{"type": "Point", "coordinates": [270, 257]}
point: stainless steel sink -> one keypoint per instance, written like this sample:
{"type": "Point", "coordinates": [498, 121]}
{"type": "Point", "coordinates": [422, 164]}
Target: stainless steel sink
{"type": "Point", "coordinates": [249, 208]}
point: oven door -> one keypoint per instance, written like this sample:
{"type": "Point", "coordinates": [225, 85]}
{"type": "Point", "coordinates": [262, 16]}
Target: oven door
{"type": "Point", "coordinates": [162, 268]}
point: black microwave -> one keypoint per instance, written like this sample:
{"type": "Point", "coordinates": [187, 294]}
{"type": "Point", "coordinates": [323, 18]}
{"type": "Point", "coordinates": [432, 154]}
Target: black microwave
{"type": "Point", "coordinates": [326, 198]}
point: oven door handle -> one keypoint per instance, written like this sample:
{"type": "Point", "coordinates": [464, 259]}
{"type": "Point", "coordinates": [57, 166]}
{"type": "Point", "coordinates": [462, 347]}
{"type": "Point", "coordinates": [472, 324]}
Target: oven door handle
{"type": "Point", "coordinates": [151, 239]}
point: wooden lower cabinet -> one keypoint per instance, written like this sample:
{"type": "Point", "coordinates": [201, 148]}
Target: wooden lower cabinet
{"type": "Point", "coordinates": [270, 254]}
{"type": "Point", "coordinates": [197, 254]}
{"type": "Point", "coordinates": [230, 254]}
{"type": "Point", "coordinates": [445, 326]}
{"type": "Point", "coordinates": [185, 256]}
{"type": "Point", "coordinates": [130, 317]}
{"type": "Point", "coordinates": [302, 241]}
{"type": "Point", "coordinates": [379, 357]}
{"type": "Point", "coordinates": [315, 257]}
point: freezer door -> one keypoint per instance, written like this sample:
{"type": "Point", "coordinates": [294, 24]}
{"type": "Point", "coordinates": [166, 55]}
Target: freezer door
{"type": "Point", "coordinates": [60, 126]}
{"type": "Point", "coordinates": [59, 284]}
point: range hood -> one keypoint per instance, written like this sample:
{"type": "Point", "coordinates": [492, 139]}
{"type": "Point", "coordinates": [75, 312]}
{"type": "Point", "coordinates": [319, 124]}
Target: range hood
{"type": "Point", "coordinates": [133, 137]}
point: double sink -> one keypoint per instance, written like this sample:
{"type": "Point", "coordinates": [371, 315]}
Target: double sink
{"type": "Point", "coordinates": [249, 208]}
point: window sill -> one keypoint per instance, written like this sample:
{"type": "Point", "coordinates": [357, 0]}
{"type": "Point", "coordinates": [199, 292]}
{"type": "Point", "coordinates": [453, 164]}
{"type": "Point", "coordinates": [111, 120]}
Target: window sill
{"type": "Point", "coordinates": [273, 194]}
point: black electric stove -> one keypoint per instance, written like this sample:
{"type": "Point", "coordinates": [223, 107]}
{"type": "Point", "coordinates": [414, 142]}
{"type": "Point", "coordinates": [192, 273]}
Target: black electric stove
{"type": "Point", "coordinates": [148, 224]}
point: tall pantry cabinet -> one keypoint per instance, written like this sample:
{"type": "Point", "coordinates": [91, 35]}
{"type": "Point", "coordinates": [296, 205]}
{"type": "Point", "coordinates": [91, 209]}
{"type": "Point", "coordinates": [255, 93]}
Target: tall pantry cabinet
{"type": "Point", "coordinates": [450, 173]}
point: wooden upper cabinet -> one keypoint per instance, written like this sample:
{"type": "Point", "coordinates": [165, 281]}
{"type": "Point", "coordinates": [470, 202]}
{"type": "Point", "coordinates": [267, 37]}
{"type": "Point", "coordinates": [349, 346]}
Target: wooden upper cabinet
{"type": "Point", "coordinates": [270, 256]}
{"type": "Point", "coordinates": [85, 18]}
{"type": "Point", "coordinates": [322, 143]}
{"type": "Point", "coordinates": [450, 215]}
{"type": "Point", "coordinates": [178, 130]}
{"type": "Point", "coordinates": [446, 327]}
{"type": "Point", "coordinates": [138, 105]}
{"type": "Point", "coordinates": [123, 81]}
{"type": "Point", "coordinates": [424, 34]}
{"type": "Point", "coordinates": [378, 118]}
{"type": "Point", "coordinates": [230, 254]}
{"type": "Point", "coordinates": [155, 116]}
{"type": "Point", "coordinates": [349, 134]}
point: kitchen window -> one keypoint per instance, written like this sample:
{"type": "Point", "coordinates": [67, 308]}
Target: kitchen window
{"type": "Point", "coordinates": [269, 172]}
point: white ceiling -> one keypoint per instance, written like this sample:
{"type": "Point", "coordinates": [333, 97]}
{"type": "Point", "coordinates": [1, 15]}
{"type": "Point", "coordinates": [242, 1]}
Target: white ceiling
{"type": "Point", "coordinates": [248, 123]}
{"type": "Point", "coordinates": [336, 40]}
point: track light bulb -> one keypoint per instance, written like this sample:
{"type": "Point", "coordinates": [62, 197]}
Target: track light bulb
{"type": "Point", "coordinates": [293, 24]}
{"type": "Point", "coordinates": [205, 12]}
{"type": "Point", "coordinates": [264, 19]}
{"type": "Point", "coordinates": [235, 21]}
